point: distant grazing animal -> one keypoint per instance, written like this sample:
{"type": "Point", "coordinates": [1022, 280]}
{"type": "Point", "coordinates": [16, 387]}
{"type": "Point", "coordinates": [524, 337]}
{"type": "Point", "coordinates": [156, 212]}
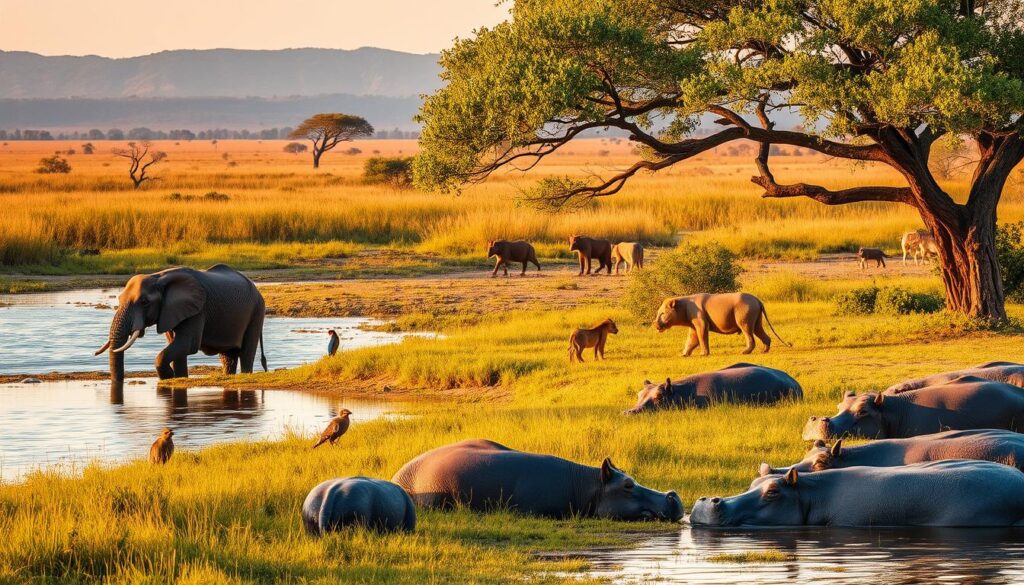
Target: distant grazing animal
{"type": "Point", "coordinates": [335, 429]}
{"type": "Point", "coordinates": [954, 493]}
{"type": "Point", "coordinates": [961, 404]}
{"type": "Point", "coordinates": [594, 337]}
{"type": "Point", "coordinates": [358, 501]}
{"type": "Point", "coordinates": [1006, 372]}
{"type": "Point", "coordinates": [506, 252]}
{"type": "Point", "coordinates": [333, 343]}
{"type": "Point", "coordinates": [630, 253]}
{"type": "Point", "coordinates": [726, 313]}
{"type": "Point", "coordinates": [163, 448]}
{"type": "Point", "coordinates": [1000, 446]}
{"type": "Point", "coordinates": [738, 383]}
{"type": "Point", "coordinates": [919, 244]}
{"type": "Point", "coordinates": [588, 249]}
{"type": "Point", "coordinates": [865, 254]}
{"type": "Point", "coordinates": [484, 475]}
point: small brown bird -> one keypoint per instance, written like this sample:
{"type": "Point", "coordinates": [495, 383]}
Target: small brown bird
{"type": "Point", "coordinates": [163, 448]}
{"type": "Point", "coordinates": [335, 429]}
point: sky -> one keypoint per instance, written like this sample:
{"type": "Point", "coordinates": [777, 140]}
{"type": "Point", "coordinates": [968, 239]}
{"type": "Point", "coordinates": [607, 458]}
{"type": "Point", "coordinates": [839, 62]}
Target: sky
{"type": "Point", "coordinates": [127, 28]}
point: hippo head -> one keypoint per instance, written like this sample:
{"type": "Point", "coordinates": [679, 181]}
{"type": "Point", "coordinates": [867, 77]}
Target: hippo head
{"type": "Point", "coordinates": [621, 498]}
{"type": "Point", "coordinates": [819, 458]}
{"type": "Point", "coordinates": [773, 502]}
{"type": "Point", "coordinates": [656, 396]}
{"type": "Point", "coordinates": [670, 314]}
{"type": "Point", "coordinates": [858, 416]}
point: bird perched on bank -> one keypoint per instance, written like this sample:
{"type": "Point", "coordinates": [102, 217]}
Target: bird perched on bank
{"type": "Point", "coordinates": [332, 345]}
{"type": "Point", "coordinates": [335, 429]}
{"type": "Point", "coordinates": [163, 448]}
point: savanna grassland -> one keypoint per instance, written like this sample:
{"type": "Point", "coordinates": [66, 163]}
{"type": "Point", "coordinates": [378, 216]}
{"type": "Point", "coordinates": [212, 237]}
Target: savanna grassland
{"type": "Point", "coordinates": [230, 514]}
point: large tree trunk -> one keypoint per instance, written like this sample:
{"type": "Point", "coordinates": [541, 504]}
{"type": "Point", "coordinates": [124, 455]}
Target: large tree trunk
{"type": "Point", "coordinates": [970, 270]}
{"type": "Point", "coordinates": [316, 158]}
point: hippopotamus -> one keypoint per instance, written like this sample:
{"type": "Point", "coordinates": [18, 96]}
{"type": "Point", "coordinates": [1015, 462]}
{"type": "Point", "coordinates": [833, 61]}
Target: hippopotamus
{"type": "Point", "coordinates": [1006, 372]}
{"type": "Point", "coordinates": [743, 383]}
{"type": "Point", "coordinates": [964, 403]}
{"type": "Point", "coordinates": [374, 503]}
{"type": "Point", "coordinates": [485, 475]}
{"type": "Point", "coordinates": [937, 493]}
{"type": "Point", "coordinates": [1006, 447]}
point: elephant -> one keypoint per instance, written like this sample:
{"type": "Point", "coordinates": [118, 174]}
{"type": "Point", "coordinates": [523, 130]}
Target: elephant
{"type": "Point", "coordinates": [726, 313]}
{"type": "Point", "coordinates": [588, 249]}
{"type": "Point", "coordinates": [216, 311]}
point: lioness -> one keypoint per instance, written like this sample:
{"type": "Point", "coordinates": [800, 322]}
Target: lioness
{"type": "Point", "coordinates": [865, 254]}
{"type": "Point", "coordinates": [594, 337]}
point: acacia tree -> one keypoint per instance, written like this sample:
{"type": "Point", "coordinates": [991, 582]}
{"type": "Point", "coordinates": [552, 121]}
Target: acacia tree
{"type": "Point", "coordinates": [142, 157]}
{"type": "Point", "coordinates": [874, 80]}
{"type": "Point", "coordinates": [326, 131]}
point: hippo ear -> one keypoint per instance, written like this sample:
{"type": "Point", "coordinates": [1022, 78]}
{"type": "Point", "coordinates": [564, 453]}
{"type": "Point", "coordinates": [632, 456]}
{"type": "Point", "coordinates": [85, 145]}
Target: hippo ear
{"type": "Point", "coordinates": [819, 443]}
{"type": "Point", "coordinates": [668, 383]}
{"type": "Point", "coordinates": [608, 470]}
{"type": "Point", "coordinates": [837, 449]}
{"type": "Point", "coordinates": [878, 399]}
{"type": "Point", "coordinates": [791, 476]}
{"type": "Point", "coordinates": [764, 470]}
{"type": "Point", "coordinates": [672, 304]}
{"type": "Point", "coordinates": [647, 382]}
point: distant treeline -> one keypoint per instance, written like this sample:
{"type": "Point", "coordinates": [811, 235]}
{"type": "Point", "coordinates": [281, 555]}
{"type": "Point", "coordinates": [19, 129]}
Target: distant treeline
{"type": "Point", "coordinates": [144, 133]}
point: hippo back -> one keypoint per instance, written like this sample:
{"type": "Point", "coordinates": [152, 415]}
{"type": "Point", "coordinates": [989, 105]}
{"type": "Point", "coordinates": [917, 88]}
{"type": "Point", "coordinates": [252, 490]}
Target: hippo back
{"type": "Point", "coordinates": [744, 383]}
{"type": "Point", "coordinates": [478, 474]}
{"type": "Point", "coordinates": [1006, 372]}
{"type": "Point", "coordinates": [373, 503]}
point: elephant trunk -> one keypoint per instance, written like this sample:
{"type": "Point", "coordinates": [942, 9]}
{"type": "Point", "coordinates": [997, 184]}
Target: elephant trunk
{"type": "Point", "coordinates": [120, 331]}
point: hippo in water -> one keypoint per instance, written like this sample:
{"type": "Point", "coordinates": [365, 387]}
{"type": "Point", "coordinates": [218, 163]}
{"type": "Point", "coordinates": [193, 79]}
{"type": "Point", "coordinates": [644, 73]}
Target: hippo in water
{"type": "Point", "coordinates": [1006, 372]}
{"type": "Point", "coordinates": [373, 503]}
{"type": "Point", "coordinates": [742, 383]}
{"type": "Point", "coordinates": [964, 403]}
{"type": "Point", "coordinates": [938, 493]}
{"type": "Point", "coordinates": [484, 475]}
{"type": "Point", "coordinates": [1006, 447]}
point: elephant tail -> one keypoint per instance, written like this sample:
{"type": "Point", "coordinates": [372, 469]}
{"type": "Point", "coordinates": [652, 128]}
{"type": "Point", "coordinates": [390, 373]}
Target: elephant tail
{"type": "Point", "coordinates": [772, 327]}
{"type": "Point", "coordinates": [262, 356]}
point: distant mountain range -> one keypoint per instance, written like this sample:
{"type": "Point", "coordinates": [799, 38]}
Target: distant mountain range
{"type": "Point", "coordinates": [220, 73]}
{"type": "Point", "coordinates": [219, 88]}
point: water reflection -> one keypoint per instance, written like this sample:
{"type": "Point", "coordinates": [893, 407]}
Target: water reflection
{"type": "Point", "coordinates": [836, 556]}
{"type": "Point", "coordinates": [70, 423]}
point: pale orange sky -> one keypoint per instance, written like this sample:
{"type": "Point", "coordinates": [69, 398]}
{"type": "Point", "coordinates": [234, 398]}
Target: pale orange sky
{"type": "Point", "coordinates": [122, 28]}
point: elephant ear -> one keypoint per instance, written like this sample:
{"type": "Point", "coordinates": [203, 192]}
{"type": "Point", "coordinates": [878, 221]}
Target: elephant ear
{"type": "Point", "coordinates": [184, 297]}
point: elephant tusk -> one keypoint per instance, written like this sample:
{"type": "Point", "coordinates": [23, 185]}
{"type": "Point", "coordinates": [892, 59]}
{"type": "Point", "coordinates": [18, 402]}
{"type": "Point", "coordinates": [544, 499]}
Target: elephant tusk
{"type": "Point", "coordinates": [131, 340]}
{"type": "Point", "coordinates": [102, 349]}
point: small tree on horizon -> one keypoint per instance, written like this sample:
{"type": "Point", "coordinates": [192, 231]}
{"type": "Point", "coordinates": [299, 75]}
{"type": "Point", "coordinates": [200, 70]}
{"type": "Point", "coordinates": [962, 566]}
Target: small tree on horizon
{"type": "Point", "coordinates": [326, 131]}
{"type": "Point", "coordinates": [141, 160]}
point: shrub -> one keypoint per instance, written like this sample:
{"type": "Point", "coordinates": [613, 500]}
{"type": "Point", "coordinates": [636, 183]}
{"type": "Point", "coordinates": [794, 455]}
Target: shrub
{"type": "Point", "coordinates": [689, 269]}
{"type": "Point", "coordinates": [859, 301]}
{"type": "Point", "coordinates": [353, 151]}
{"type": "Point", "coordinates": [900, 301]}
{"type": "Point", "coordinates": [394, 171]}
{"type": "Point", "coordinates": [1010, 253]}
{"type": "Point", "coordinates": [787, 286]}
{"type": "Point", "coordinates": [295, 147]}
{"type": "Point", "coordinates": [53, 164]}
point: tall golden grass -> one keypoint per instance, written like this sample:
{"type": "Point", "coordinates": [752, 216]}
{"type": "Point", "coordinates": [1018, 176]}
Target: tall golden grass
{"type": "Point", "coordinates": [276, 197]}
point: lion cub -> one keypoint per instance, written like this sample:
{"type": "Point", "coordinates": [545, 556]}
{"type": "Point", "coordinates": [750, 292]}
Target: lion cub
{"type": "Point", "coordinates": [594, 337]}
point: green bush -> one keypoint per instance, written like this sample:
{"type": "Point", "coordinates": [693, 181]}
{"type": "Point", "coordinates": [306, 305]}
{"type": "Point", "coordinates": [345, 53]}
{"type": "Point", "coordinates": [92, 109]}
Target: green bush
{"type": "Point", "coordinates": [900, 301]}
{"type": "Point", "coordinates": [689, 269]}
{"type": "Point", "coordinates": [1010, 253]}
{"type": "Point", "coordinates": [859, 301]}
{"type": "Point", "coordinates": [394, 171]}
{"type": "Point", "coordinates": [53, 165]}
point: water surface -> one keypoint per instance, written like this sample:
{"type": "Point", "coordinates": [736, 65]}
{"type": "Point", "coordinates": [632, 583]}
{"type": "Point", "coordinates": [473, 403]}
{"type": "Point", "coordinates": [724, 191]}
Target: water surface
{"type": "Point", "coordinates": [834, 556]}
{"type": "Point", "coordinates": [71, 423]}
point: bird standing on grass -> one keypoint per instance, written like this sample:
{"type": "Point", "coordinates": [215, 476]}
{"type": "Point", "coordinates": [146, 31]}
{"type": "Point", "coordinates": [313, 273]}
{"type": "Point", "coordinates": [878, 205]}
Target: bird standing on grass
{"type": "Point", "coordinates": [332, 345]}
{"type": "Point", "coordinates": [163, 448]}
{"type": "Point", "coordinates": [335, 429]}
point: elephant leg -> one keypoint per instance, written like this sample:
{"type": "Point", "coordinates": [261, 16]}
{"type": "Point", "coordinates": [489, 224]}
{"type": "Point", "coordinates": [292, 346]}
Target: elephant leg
{"type": "Point", "coordinates": [180, 366]}
{"type": "Point", "coordinates": [691, 343]}
{"type": "Point", "coordinates": [229, 363]}
{"type": "Point", "coordinates": [251, 342]}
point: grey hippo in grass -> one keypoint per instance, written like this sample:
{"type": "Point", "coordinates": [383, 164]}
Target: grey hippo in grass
{"type": "Point", "coordinates": [954, 493]}
{"type": "Point", "coordinates": [999, 446]}
{"type": "Point", "coordinates": [964, 403]}
{"type": "Point", "coordinates": [1006, 372]}
{"type": "Point", "coordinates": [483, 475]}
{"type": "Point", "coordinates": [358, 501]}
{"type": "Point", "coordinates": [738, 383]}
